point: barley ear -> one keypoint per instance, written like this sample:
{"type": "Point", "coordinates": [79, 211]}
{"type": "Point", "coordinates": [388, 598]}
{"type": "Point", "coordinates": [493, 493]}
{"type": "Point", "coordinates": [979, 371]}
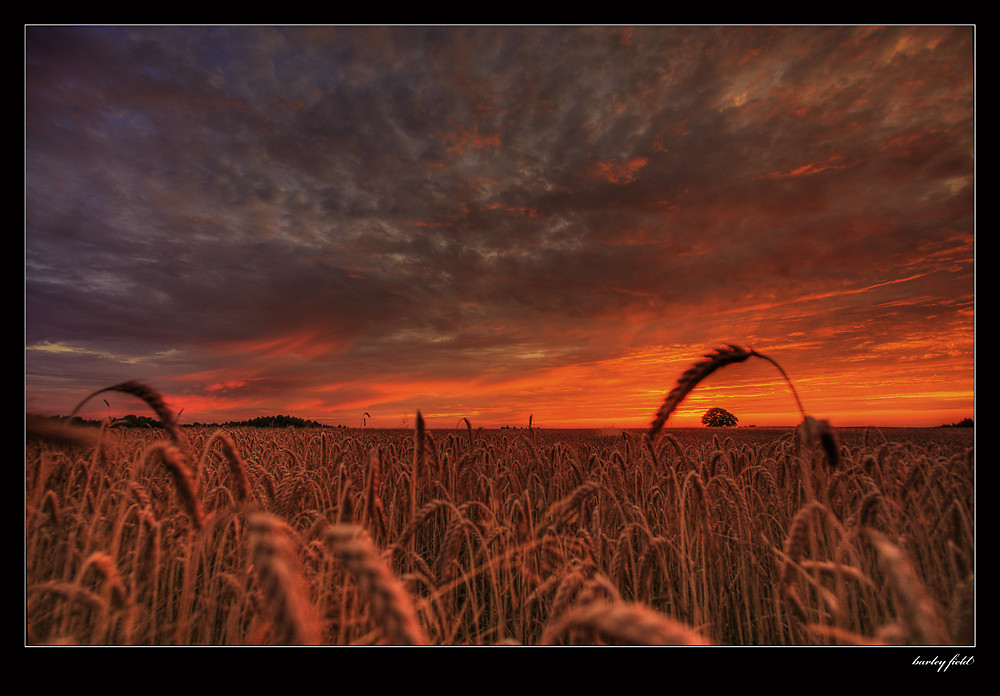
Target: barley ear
{"type": "Point", "coordinates": [177, 464]}
{"type": "Point", "coordinates": [295, 620]}
{"type": "Point", "coordinates": [621, 624]}
{"type": "Point", "coordinates": [920, 618]}
{"type": "Point", "coordinates": [392, 606]}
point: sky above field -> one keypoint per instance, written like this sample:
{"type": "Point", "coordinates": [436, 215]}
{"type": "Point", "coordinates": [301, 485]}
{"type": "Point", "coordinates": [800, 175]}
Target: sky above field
{"type": "Point", "coordinates": [501, 223]}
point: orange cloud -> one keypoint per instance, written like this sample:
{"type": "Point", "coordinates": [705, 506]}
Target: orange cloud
{"type": "Point", "coordinates": [617, 171]}
{"type": "Point", "coordinates": [807, 169]}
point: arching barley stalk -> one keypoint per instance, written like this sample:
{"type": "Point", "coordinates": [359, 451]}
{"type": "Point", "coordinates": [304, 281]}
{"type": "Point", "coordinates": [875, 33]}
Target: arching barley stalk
{"type": "Point", "coordinates": [152, 398]}
{"type": "Point", "coordinates": [726, 355]}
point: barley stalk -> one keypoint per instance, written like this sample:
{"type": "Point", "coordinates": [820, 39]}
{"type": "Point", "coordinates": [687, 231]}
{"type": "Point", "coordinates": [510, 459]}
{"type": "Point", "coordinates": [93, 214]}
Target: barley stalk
{"type": "Point", "coordinates": [152, 398]}
{"type": "Point", "coordinates": [726, 355]}
{"type": "Point", "coordinates": [286, 594]}
{"type": "Point", "coordinates": [418, 460]}
{"type": "Point", "coordinates": [177, 465]}
{"type": "Point", "coordinates": [921, 620]}
{"type": "Point", "coordinates": [237, 468]}
{"type": "Point", "coordinates": [392, 606]}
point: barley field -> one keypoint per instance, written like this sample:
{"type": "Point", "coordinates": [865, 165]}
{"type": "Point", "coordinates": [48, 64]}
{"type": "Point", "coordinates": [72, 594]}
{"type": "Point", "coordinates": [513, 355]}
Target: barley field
{"type": "Point", "coordinates": [328, 536]}
{"type": "Point", "coordinates": [746, 536]}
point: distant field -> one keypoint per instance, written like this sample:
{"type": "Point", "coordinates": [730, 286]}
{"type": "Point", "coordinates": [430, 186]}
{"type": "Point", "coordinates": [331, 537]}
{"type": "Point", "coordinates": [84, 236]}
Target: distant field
{"type": "Point", "coordinates": [454, 537]}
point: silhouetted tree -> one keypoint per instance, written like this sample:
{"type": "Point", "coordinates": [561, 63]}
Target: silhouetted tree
{"type": "Point", "coordinates": [719, 418]}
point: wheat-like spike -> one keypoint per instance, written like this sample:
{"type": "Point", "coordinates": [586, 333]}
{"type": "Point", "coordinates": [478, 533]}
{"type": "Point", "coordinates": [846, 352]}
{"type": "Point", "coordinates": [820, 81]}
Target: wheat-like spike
{"type": "Point", "coordinates": [831, 445]}
{"type": "Point", "coordinates": [795, 546]}
{"type": "Point", "coordinates": [812, 430]}
{"type": "Point", "coordinates": [177, 465]}
{"type": "Point", "coordinates": [726, 355]}
{"type": "Point", "coordinates": [869, 507]}
{"type": "Point", "coordinates": [920, 617]}
{"type": "Point", "coordinates": [627, 624]}
{"type": "Point", "coordinates": [237, 468]}
{"type": "Point", "coordinates": [149, 548]}
{"type": "Point", "coordinates": [962, 614]}
{"type": "Point", "coordinates": [286, 594]}
{"type": "Point", "coordinates": [598, 584]}
{"type": "Point", "coordinates": [569, 585]}
{"type": "Point", "coordinates": [418, 443]}
{"type": "Point", "coordinates": [565, 506]}
{"type": "Point", "coordinates": [372, 513]}
{"type": "Point", "coordinates": [541, 589]}
{"type": "Point", "coordinates": [434, 458]}
{"type": "Point", "coordinates": [392, 606]}
{"type": "Point", "coordinates": [418, 461]}
{"type": "Point", "coordinates": [106, 567]}
{"type": "Point", "coordinates": [468, 427]}
{"type": "Point", "coordinates": [455, 537]}
{"type": "Point", "coordinates": [795, 542]}
{"type": "Point", "coordinates": [51, 501]}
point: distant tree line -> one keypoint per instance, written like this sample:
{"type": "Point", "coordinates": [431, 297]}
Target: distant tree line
{"type": "Point", "coordinates": [129, 421]}
{"type": "Point", "coordinates": [133, 421]}
{"type": "Point", "coordinates": [276, 422]}
{"type": "Point", "coordinates": [964, 423]}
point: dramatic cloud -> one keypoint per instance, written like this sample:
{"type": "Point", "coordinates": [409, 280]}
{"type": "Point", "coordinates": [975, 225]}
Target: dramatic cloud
{"type": "Point", "coordinates": [495, 223]}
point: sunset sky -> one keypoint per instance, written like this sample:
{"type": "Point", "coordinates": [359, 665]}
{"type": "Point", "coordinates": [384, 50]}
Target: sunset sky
{"type": "Point", "coordinates": [501, 222]}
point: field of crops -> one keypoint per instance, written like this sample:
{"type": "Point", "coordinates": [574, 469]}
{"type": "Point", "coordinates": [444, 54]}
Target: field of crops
{"type": "Point", "coordinates": [465, 536]}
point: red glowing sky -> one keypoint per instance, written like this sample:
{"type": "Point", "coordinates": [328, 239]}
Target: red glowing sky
{"type": "Point", "coordinates": [501, 223]}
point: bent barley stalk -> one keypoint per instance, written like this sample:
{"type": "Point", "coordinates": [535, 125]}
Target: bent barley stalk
{"type": "Point", "coordinates": [726, 355]}
{"type": "Point", "coordinates": [152, 398]}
